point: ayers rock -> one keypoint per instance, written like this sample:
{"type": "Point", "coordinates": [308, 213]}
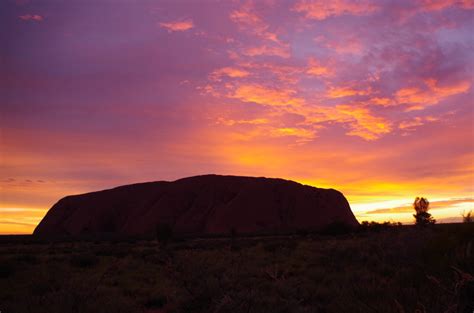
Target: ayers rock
{"type": "Point", "coordinates": [208, 204]}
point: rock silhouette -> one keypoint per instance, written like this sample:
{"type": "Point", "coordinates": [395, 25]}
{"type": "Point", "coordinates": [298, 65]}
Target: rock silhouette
{"type": "Point", "coordinates": [208, 204]}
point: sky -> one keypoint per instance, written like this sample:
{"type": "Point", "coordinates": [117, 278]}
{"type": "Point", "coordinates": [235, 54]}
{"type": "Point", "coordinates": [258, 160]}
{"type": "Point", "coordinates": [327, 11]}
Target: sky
{"type": "Point", "coordinates": [373, 98]}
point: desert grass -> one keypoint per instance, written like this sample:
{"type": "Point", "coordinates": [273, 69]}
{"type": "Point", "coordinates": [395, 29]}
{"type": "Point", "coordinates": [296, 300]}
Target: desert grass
{"type": "Point", "coordinates": [396, 269]}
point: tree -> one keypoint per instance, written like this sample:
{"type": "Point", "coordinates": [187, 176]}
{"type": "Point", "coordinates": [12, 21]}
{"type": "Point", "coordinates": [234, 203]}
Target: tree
{"type": "Point", "coordinates": [467, 217]}
{"type": "Point", "coordinates": [422, 217]}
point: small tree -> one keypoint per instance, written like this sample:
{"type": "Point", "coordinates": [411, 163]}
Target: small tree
{"type": "Point", "coordinates": [422, 217]}
{"type": "Point", "coordinates": [467, 217]}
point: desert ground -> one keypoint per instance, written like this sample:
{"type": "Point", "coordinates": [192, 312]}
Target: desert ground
{"type": "Point", "coordinates": [372, 269]}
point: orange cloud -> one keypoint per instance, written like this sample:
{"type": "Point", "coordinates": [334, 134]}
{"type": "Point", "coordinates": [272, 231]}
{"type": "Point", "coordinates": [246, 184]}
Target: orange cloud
{"type": "Point", "coordinates": [321, 9]}
{"type": "Point", "coordinates": [340, 92]}
{"type": "Point", "coordinates": [267, 50]}
{"type": "Point", "coordinates": [247, 19]}
{"type": "Point", "coordinates": [283, 73]}
{"type": "Point", "coordinates": [267, 96]}
{"type": "Point", "coordinates": [345, 45]}
{"type": "Point", "coordinates": [435, 205]}
{"type": "Point", "coordinates": [230, 72]}
{"type": "Point", "coordinates": [302, 134]}
{"type": "Point", "coordinates": [19, 220]}
{"type": "Point", "coordinates": [231, 122]}
{"type": "Point", "coordinates": [382, 101]}
{"type": "Point", "coordinates": [315, 68]}
{"type": "Point", "coordinates": [31, 17]}
{"type": "Point", "coordinates": [417, 121]}
{"type": "Point", "coordinates": [364, 124]}
{"type": "Point", "coordinates": [419, 99]}
{"type": "Point", "coordinates": [360, 120]}
{"type": "Point", "coordinates": [178, 26]}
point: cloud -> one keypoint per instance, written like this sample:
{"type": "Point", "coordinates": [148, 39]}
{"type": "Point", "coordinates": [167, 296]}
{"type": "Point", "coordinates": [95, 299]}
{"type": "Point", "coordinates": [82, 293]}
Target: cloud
{"type": "Point", "coordinates": [32, 17]}
{"type": "Point", "coordinates": [419, 98]}
{"type": "Point", "coordinates": [315, 68]}
{"type": "Point", "coordinates": [435, 205]}
{"type": "Point", "coordinates": [231, 122]}
{"type": "Point", "coordinates": [364, 124]}
{"type": "Point", "coordinates": [349, 46]}
{"type": "Point", "coordinates": [417, 121]}
{"type": "Point", "coordinates": [438, 5]}
{"type": "Point", "coordinates": [340, 92]}
{"type": "Point", "coordinates": [405, 13]}
{"type": "Point", "coordinates": [248, 20]}
{"type": "Point", "coordinates": [412, 124]}
{"type": "Point", "coordinates": [178, 26]}
{"type": "Point", "coordinates": [282, 73]}
{"type": "Point", "coordinates": [232, 72]}
{"type": "Point", "coordinates": [360, 121]}
{"type": "Point", "coordinates": [322, 9]}
{"type": "Point", "coordinates": [382, 101]}
{"type": "Point", "coordinates": [303, 134]}
{"type": "Point", "coordinates": [267, 50]}
{"type": "Point", "coordinates": [267, 96]}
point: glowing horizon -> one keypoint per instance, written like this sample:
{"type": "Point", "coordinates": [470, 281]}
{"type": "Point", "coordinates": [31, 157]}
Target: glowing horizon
{"type": "Point", "coordinates": [372, 98]}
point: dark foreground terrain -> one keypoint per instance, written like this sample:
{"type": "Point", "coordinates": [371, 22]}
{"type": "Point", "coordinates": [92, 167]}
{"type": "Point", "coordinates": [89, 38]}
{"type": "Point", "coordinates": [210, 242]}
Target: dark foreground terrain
{"type": "Point", "coordinates": [393, 269]}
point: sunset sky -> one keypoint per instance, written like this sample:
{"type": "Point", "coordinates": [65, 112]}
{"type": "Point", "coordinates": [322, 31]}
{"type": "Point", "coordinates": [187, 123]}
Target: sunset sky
{"type": "Point", "coordinates": [373, 98]}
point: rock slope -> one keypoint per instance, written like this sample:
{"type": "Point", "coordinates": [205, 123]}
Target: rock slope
{"type": "Point", "coordinates": [208, 204]}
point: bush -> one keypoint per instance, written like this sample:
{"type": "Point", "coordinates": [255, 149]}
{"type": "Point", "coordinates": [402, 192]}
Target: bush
{"type": "Point", "coordinates": [6, 269]}
{"type": "Point", "coordinates": [84, 260]}
{"type": "Point", "coordinates": [27, 258]}
{"type": "Point", "coordinates": [337, 228]}
{"type": "Point", "coordinates": [374, 226]}
{"type": "Point", "coordinates": [156, 302]}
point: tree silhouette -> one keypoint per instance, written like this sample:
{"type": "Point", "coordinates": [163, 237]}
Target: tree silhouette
{"type": "Point", "coordinates": [422, 217]}
{"type": "Point", "coordinates": [467, 217]}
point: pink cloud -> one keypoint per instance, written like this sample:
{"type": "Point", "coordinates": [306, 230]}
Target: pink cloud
{"type": "Point", "coordinates": [419, 98]}
{"type": "Point", "coordinates": [437, 5]}
{"type": "Point", "coordinates": [317, 68]}
{"type": "Point", "coordinates": [178, 26]}
{"type": "Point", "coordinates": [321, 9]}
{"type": "Point", "coordinates": [247, 19]}
{"type": "Point", "coordinates": [32, 17]}
{"type": "Point", "coordinates": [267, 50]}
{"type": "Point", "coordinates": [267, 96]}
{"type": "Point", "coordinates": [346, 91]}
{"type": "Point", "coordinates": [233, 72]}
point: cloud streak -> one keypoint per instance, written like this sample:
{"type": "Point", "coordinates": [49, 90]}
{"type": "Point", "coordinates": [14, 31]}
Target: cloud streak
{"type": "Point", "coordinates": [321, 10]}
{"type": "Point", "coordinates": [434, 205]}
{"type": "Point", "coordinates": [178, 26]}
{"type": "Point", "coordinates": [31, 17]}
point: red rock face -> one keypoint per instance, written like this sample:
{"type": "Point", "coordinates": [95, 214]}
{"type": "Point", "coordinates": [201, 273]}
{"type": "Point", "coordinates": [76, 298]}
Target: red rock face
{"type": "Point", "coordinates": [209, 204]}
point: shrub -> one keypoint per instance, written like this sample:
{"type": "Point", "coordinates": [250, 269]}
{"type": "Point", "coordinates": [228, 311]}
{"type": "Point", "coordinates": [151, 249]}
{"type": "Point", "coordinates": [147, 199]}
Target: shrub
{"type": "Point", "coordinates": [84, 260]}
{"type": "Point", "coordinates": [6, 269]}
{"type": "Point", "coordinates": [337, 228]}
{"type": "Point", "coordinates": [27, 258]}
{"type": "Point", "coordinates": [374, 226]}
{"type": "Point", "coordinates": [155, 302]}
